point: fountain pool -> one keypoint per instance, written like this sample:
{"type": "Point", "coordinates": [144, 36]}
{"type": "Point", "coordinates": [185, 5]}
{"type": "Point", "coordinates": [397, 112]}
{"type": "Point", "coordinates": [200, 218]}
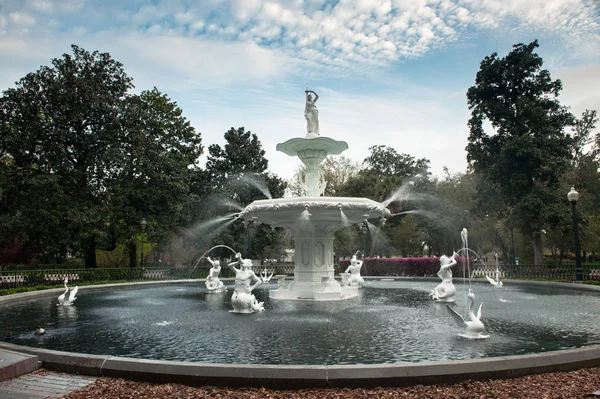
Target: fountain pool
{"type": "Point", "coordinates": [390, 322]}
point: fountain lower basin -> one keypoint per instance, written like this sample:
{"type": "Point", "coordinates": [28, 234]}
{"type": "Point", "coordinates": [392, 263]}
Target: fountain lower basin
{"type": "Point", "coordinates": [313, 222]}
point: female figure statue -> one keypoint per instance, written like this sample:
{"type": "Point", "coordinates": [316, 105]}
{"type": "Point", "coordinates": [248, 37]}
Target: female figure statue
{"type": "Point", "coordinates": [243, 300]}
{"type": "Point", "coordinates": [213, 284]}
{"type": "Point", "coordinates": [445, 290]}
{"type": "Point", "coordinates": [311, 113]}
{"type": "Point", "coordinates": [354, 270]}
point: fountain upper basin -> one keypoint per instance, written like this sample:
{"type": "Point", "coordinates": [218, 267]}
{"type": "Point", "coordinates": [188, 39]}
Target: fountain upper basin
{"type": "Point", "coordinates": [287, 212]}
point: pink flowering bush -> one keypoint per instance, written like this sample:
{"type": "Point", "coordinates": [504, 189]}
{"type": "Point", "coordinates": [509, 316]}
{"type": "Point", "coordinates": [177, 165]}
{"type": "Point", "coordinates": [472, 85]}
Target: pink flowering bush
{"type": "Point", "coordinates": [417, 267]}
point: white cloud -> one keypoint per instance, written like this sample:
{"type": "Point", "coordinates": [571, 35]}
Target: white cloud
{"type": "Point", "coordinates": [21, 19]}
{"type": "Point", "coordinates": [371, 28]}
{"type": "Point", "coordinates": [581, 88]}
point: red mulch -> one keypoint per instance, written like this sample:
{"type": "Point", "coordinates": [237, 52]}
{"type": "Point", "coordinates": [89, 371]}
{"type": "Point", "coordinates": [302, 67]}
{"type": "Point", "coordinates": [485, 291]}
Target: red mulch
{"type": "Point", "coordinates": [564, 385]}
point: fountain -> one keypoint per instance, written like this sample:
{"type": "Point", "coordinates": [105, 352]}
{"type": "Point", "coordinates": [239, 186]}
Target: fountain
{"type": "Point", "coordinates": [313, 219]}
{"type": "Point", "coordinates": [387, 336]}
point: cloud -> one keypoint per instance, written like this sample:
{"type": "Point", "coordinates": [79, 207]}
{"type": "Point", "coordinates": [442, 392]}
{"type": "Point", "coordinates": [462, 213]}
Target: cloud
{"type": "Point", "coordinates": [342, 35]}
{"type": "Point", "coordinates": [581, 87]}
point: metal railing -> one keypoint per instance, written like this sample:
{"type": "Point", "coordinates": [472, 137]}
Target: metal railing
{"type": "Point", "coordinates": [539, 272]}
{"type": "Point", "coordinates": [54, 277]}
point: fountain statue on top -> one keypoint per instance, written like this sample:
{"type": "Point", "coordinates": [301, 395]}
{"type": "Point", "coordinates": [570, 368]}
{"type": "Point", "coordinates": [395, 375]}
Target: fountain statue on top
{"type": "Point", "coordinates": [445, 290]}
{"type": "Point", "coordinates": [243, 300]}
{"type": "Point", "coordinates": [311, 113]}
{"type": "Point", "coordinates": [355, 279]}
{"type": "Point", "coordinates": [313, 219]}
{"type": "Point", "coordinates": [213, 284]}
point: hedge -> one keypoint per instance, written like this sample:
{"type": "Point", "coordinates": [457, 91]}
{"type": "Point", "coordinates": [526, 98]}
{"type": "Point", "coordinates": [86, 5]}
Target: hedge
{"type": "Point", "coordinates": [416, 267]}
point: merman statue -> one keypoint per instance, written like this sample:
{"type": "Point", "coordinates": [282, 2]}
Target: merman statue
{"type": "Point", "coordinates": [445, 290]}
{"type": "Point", "coordinates": [354, 270]}
{"type": "Point", "coordinates": [213, 284]}
{"type": "Point", "coordinates": [243, 300]}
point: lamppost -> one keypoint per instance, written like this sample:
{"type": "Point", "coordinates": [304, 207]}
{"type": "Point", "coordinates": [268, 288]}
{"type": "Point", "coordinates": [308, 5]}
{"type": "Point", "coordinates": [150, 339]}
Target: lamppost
{"type": "Point", "coordinates": [143, 224]}
{"type": "Point", "coordinates": [573, 197]}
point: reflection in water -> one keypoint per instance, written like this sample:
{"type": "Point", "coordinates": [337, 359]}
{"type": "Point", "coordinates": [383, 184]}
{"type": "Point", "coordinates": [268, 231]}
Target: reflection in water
{"type": "Point", "coordinates": [391, 322]}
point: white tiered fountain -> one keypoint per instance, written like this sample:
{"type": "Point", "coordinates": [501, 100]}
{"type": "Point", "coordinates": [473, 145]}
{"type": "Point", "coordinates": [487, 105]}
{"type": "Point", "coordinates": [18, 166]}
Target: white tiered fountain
{"type": "Point", "coordinates": [313, 219]}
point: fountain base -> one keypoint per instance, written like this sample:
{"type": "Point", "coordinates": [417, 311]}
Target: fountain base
{"type": "Point", "coordinates": [331, 291]}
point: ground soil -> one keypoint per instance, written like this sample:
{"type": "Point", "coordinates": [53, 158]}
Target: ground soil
{"type": "Point", "coordinates": [584, 383]}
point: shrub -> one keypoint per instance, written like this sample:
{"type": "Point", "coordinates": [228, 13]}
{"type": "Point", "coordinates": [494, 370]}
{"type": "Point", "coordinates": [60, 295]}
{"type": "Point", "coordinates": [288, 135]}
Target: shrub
{"type": "Point", "coordinates": [418, 267]}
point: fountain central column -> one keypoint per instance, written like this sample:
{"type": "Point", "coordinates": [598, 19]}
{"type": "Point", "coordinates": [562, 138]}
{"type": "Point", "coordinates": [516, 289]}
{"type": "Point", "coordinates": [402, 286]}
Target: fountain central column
{"type": "Point", "coordinates": [313, 185]}
{"type": "Point", "coordinates": [314, 273]}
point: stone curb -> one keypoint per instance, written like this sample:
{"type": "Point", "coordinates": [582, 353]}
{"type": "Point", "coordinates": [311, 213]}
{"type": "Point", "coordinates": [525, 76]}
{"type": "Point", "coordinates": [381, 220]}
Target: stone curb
{"type": "Point", "coordinates": [305, 376]}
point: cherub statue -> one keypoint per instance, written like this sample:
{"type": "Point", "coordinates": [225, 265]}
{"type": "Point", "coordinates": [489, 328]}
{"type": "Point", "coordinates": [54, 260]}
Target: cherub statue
{"type": "Point", "coordinates": [213, 284]}
{"type": "Point", "coordinates": [445, 290]}
{"type": "Point", "coordinates": [354, 271]}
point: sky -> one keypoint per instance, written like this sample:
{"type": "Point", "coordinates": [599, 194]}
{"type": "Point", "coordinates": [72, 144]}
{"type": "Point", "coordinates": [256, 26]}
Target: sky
{"type": "Point", "coordinates": [391, 72]}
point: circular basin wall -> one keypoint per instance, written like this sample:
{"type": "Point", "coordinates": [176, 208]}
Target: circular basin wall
{"type": "Point", "coordinates": [390, 322]}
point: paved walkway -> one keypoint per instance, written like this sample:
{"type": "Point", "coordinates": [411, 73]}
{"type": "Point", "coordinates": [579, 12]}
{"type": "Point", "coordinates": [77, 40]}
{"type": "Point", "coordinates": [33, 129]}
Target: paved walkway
{"type": "Point", "coordinates": [42, 384]}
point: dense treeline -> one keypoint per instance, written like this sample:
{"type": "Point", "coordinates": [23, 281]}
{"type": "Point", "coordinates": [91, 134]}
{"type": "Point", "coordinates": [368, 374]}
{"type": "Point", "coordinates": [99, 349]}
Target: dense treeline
{"type": "Point", "coordinates": [83, 160]}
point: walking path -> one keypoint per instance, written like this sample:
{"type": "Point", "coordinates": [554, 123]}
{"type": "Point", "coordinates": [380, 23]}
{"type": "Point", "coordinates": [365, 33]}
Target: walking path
{"type": "Point", "coordinates": [42, 384]}
{"type": "Point", "coordinates": [21, 379]}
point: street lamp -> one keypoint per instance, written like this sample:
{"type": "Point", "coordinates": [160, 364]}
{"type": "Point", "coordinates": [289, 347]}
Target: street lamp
{"type": "Point", "coordinates": [143, 224]}
{"type": "Point", "coordinates": [573, 196]}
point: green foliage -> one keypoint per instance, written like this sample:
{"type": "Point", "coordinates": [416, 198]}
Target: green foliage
{"type": "Point", "coordinates": [82, 161]}
{"type": "Point", "coordinates": [336, 170]}
{"type": "Point", "coordinates": [384, 171]}
{"type": "Point", "coordinates": [522, 161]}
{"type": "Point", "coordinates": [235, 176]}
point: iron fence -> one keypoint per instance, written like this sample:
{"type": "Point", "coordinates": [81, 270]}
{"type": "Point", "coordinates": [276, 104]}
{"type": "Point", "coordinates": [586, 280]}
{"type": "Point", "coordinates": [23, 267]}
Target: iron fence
{"type": "Point", "coordinates": [54, 277]}
{"type": "Point", "coordinates": [539, 272]}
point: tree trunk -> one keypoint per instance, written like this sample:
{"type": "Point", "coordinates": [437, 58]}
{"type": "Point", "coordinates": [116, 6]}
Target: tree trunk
{"type": "Point", "coordinates": [90, 255]}
{"type": "Point", "coordinates": [177, 252]}
{"type": "Point", "coordinates": [538, 251]}
{"type": "Point", "coordinates": [132, 254]}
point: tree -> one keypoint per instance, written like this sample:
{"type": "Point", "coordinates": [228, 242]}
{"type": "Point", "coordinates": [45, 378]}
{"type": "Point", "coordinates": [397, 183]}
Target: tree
{"type": "Point", "coordinates": [336, 172]}
{"type": "Point", "coordinates": [83, 161]}
{"type": "Point", "coordinates": [384, 171]}
{"type": "Point", "coordinates": [59, 127]}
{"type": "Point", "coordinates": [153, 169]}
{"type": "Point", "coordinates": [235, 176]}
{"type": "Point", "coordinates": [522, 161]}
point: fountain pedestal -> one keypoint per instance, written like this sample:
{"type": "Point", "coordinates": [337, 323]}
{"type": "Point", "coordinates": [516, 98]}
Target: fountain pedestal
{"type": "Point", "coordinates": [314, 272]}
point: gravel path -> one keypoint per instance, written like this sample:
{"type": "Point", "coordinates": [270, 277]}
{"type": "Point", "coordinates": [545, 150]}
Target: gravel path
{"type": "Point", "coordinates": [583, 383]}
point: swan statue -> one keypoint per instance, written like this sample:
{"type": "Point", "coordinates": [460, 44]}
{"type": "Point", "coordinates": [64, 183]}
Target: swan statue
{"type": "Point", "coordinates": [265, 277]}
{"type": "Point", "coordinates": [496, 282]}
{"type": "Point", "coordinates": [474, 327]}
{"type": "Point", "coordinates": [63, 300]}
